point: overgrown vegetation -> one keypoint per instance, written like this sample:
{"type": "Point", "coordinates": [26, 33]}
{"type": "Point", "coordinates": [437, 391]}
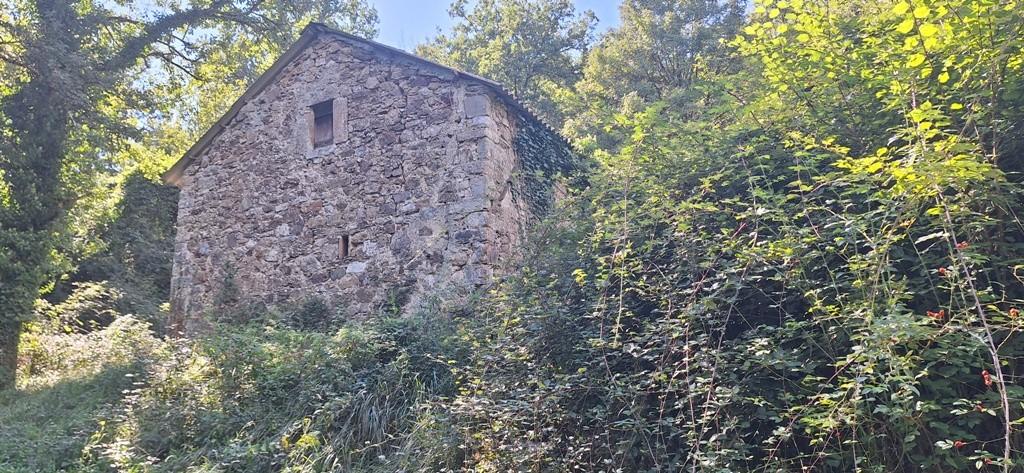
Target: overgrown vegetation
{"type": "Point", "coordinates": [249, 397]}
{"type": "Point", "coordinates": [802, 255]}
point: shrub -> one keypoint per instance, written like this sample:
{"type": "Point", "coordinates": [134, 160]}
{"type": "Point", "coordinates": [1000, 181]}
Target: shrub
{"type": "Point", "coordinates": [265, 397]}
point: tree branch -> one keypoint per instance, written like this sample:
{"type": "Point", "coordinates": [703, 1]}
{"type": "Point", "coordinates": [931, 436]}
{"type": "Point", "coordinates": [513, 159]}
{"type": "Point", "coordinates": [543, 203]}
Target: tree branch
{"type": "Point", "coordinates": [133, 49]}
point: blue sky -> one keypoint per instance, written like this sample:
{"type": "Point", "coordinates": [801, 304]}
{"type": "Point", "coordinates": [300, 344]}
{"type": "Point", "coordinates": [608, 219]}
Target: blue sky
{"type": "Point", "coordinates": [406, 23]}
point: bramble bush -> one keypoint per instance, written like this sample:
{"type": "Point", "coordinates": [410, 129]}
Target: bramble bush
{"type": "Point", "coordinates": [821, 272]}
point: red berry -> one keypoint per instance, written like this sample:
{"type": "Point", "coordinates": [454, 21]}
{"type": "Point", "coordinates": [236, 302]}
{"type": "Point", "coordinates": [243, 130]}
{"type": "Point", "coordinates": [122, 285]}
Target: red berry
{"type": "Point", "coordinates": [987, 378]}
{"type": "Point", "coordinates": [1014, 313]}
{"type": "Point", "coordinates": [942, 272]}
{"type": "Point", "coordinates": [962, 245]}
{"type": "Point", "coordinates": [959, 444]}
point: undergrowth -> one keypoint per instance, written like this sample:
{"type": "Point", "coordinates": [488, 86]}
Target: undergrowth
{"type": "Point", "coordinates": [257, 397]}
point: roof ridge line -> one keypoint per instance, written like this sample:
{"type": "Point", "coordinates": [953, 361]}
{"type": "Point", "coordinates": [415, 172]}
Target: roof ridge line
{"type": "Point", "coordinates": [309, 33]}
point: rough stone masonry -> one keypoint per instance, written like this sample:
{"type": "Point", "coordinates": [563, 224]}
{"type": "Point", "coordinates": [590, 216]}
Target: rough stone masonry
{"type": "Point", "coordinates": [358, 173]}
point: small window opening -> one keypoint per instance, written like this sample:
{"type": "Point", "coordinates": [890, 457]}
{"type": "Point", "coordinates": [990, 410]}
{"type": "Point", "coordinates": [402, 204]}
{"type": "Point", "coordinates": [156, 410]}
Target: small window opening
{"type": "Point", "coordinates": [344, 246]}
{"type": "Point", "coordinates": [323, 123]}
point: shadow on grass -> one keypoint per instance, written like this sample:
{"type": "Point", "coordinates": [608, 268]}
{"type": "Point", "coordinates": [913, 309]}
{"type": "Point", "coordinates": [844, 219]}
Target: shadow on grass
{"type": "Point", "coordinates": [45, 429]}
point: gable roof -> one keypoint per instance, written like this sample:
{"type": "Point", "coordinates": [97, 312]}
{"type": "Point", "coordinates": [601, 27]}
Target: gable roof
{"type": "Point", "coordinates": [309, 34]}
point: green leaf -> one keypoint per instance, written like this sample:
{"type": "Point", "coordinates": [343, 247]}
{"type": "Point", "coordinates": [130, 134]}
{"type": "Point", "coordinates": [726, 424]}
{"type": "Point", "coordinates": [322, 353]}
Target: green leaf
{"type": "Point", "coordinates": [928, 30]}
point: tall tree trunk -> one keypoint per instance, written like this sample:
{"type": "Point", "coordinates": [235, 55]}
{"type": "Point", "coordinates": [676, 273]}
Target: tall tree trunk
{"type": "Point", "coordinates": [32, 167]}
{"type": "Point", "coordinates": [10, 333]}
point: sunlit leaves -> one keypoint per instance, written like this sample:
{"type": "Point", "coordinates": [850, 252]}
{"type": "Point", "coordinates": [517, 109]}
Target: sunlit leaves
{"type": "Point", "coordinates": [916, 59]}
{"type": "Point", "coordinates": [906, 26]}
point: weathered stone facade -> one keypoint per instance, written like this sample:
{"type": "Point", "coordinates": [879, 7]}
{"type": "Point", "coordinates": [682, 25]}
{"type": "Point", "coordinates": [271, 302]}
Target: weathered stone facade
{"type": "Point", "coordinates": [428, 183]}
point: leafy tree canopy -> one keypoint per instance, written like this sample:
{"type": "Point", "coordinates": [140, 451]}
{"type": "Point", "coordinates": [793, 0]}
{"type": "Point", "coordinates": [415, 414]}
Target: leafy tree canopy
{"type": "Point", "coordinates": [529, 46]}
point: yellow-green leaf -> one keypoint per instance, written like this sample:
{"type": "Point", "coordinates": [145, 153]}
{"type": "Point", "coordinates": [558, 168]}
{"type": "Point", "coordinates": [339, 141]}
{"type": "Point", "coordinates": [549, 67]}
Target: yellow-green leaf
{"type": "Point", "coordinates": [774, 13]}
{"type": "Point", "coordinates": [901, 8]}
{"type": "Point", "coordinates": [906, 26]}
{"type": "Point", "coordinates": [915, 60]}
{"type": "Point", "coordinates": [803, 37]}
{"type": "Point", "coordinates": [928, 30]}
{"type": "Point", "coordinates": [943, 77]}
{"type": "Point", "coordinates": [956, 106]}
{"type": "Point", "coordinates": [921, 12]}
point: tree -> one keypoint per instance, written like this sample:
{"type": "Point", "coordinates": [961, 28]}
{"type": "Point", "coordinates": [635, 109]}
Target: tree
{"type": "Point", "coordinates": [83, 79]}
{"type": "Point", "coordinates": [658, 52]}
{"type": "Point", "coordinates": [529, 46]}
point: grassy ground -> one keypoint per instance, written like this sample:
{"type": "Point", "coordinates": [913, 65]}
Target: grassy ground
{"type": "Point", "coordinates": [68, 384]}
{"type": "Point", "coordinates": [45, 428]}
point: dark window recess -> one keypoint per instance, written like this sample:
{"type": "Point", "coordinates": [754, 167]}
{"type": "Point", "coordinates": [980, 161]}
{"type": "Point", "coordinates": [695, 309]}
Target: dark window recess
{"type": "Point", "coordinates": [323, 123]}
{"type": "Point", "coordinates": [344, 246]}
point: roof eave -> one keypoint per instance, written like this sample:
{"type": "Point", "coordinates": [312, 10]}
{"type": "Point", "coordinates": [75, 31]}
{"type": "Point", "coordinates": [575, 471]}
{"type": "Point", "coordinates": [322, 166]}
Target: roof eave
{"type": "Point", "coordinates": [174, 174]}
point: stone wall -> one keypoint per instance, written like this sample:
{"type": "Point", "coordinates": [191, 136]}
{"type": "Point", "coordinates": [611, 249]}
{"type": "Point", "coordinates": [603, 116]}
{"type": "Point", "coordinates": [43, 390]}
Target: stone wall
{"type": "Point", "coordinates": [422, 179]}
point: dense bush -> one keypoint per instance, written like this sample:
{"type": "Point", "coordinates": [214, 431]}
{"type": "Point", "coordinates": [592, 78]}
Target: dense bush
{"type": "Point", "coordinates": [245, 398]}
{"type": "Point", "coordinates": [264, 397]}
{"type": "Point", "coordinates": [812, 267]}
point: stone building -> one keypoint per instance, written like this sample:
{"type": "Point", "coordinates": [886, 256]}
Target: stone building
{"type": "Point", "coordinates": [360, 173]}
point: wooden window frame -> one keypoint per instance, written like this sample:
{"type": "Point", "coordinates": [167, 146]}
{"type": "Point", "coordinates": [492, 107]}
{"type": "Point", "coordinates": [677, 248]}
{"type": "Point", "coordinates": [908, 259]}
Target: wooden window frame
{"type": "Point", "coordinates": [322, 130]}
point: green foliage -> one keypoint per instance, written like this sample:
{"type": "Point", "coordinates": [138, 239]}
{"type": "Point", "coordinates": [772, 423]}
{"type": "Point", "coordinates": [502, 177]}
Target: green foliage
{"type": "Point", "coordinates": [245, 397]}
{"type": "Point", "coordinates": [264, 398]}
{"type": "Point", "coordinates": [313, 314]}
{"type": "Point", "coordinates": [814, 268]}
{"type": "Point", "coordinates": [68, 382]}
{"type": "Point", "coordinates": [662, 51]}
{"type": "Point", "coordinates": [532, 47]}
{"type": "Point", "coordinates": [130, 253]}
